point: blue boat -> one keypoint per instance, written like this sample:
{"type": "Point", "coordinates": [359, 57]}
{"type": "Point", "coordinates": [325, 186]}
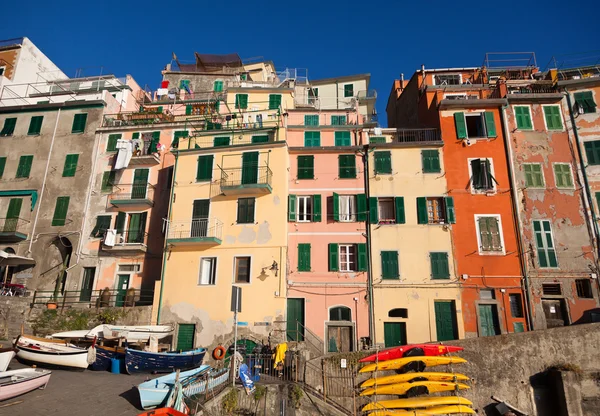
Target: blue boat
{"type": "Point", "coordinates": [153, 393]}
{"type": "Point", "coordinates": [162, 362]}
{"type": "Point", "coordinates": [104, 356]}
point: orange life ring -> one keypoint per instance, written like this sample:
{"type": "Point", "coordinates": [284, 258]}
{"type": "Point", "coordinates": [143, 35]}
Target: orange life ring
{"type": "Point", "coordinates": [219, 353]}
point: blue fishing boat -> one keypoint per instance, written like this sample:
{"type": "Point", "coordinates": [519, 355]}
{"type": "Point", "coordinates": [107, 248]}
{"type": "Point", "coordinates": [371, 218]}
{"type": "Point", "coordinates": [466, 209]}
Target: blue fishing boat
{"type": "Point", "coordinates": [162, 362]}
{"type": "Point", "coordinates": [154, 392]}
{"type": "Point", "coordinates": [104, 355]}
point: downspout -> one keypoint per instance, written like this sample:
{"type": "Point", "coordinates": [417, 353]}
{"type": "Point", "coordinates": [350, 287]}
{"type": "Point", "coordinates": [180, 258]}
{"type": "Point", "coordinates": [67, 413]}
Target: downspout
{"type": "Point", "coordinates": [365, 157]}
{"type": "Point", "coordinates": [337, 95]}
{"type": "Point", "coordinates": [517, 220]}
{"type": "Point", "coordinates": [37, 214]}
{"type": "Point", "coordinates": [164, 263]}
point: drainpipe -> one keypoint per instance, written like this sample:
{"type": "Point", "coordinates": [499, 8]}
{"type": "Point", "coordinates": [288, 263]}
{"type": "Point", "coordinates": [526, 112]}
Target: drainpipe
{"type": "Point", "coordinates": [337, 95]}
{"type": "Point", "coordinates": [365, 158]}
{"type": "Point", "coordinates": [164, 264]}
{"type": "Point", "coordinates": [37, 214]}
{"type": "Point", "coordinates": [517, 220]}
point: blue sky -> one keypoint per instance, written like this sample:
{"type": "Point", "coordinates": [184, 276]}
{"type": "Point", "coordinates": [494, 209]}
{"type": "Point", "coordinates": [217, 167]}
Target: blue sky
{"type": "Point", "coordinates": [330, 38]}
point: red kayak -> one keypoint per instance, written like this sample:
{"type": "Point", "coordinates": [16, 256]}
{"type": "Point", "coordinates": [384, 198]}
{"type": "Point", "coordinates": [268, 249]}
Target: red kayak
{"type": "Point", "coordinates": [410, 350]}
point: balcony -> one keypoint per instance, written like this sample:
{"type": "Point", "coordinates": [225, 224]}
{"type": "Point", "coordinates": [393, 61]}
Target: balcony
{"type": "Point", "coordinates": [367, 95]}
{"type": "Point", "coordinates": [12, 230]}
{"type": "Point", "coordinates": [252, 180]}
{"type": "Point", "coordinates": [142, 156]}
{"type": "Point", "coordinates": [417, 136]}
{"type": "Point", "coordinates": [132, 195]}
{"type": "Point", "coordinates": [227, 139]}
{"type": "Point", "coordinates": [199, 232]}
{"type": "Point", "coordinates": [127, 242]}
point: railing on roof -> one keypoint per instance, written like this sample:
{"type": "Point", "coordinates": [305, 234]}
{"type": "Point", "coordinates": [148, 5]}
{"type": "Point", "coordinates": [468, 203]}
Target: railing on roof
{"type": "Point", "coordinates": [427, 135]}
{"type": "Point", "coordinates": [533, 89]}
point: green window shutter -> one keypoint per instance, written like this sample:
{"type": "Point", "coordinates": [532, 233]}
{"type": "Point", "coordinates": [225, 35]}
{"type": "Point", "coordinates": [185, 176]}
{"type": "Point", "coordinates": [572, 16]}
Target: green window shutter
{"type": "Point", "coordinates": [246, 208]}
{"type": "Point", "coordinates": [2, 165]}
{"type": "Point", "coordinates": [60, 211]}
{"type": "Point", "coordinates": [476, 177]}
{"type": "Point", "coordinates": [342, 138]}
{"type": "Point", "coordinates": [291, 208]}
{"type": "Point", "coordinates": [311, 120]}
{"type": "Point", "coordinates": [490, 124]}
{"type": "Point", "coordinates": [336, 207]}
{"type": "Point", "coordinates": [585, 100]}
{"type": "Point", "coordinates": [218, 86]}
{"type": "Point", "coordinates": [544, 244]}
{"type": "Point", "coordinates": [461, 125]}
{"type": "Point", "coordinates": [135, 136]}
{"type": "Point", "coordinates": [221, 141]}
{"type": "Point", "coordinates": [274, 101]}
{"type": "Point", "coordinates": [361, 207]}
{"type": "Point", "coordinates": [598, 201]}
{"type": "Point", "coordinates": [562, 175]}
{"type": "Point", "coordinates": [241, 101]}
{"type": "Point", "coordinates": [304, 257]}
{"type": "Point", "coordinates": [260, 139]}
{"type": "Point", "coordinates": [35, 125]}
{"type": "Point", "coordinates": [376, 139]}
{"type": "Point", "coordinates": [14, 210]}
{"type": "Point", "coordinates": [450, 214]}
{"type": "Point", "coordinates": [120, 222]}
{"type": "Point", "coordinates": [592, 152]}
{"type": "Point", "coordinates": [154, 142]}
{"type": "Point", "coordinates": [306, 167]}
{"type": "Point", "coordinates": [312, 138]}
{"type": "Point", "coordinates": [24, 168]}
{"type": "Point", "coordinates": [363, 260]}
{"type": "Point", "coordinates": [79, 123]}
{"type": "Point", "coordinates": [553, 119]}
{"type": "Point", "coordinates": [70, 165]}
{"type": "Point", "coordinates": [9, 127]}
{"type": "Point", "coordinates": [389, 265]}
{"type": "Point", "coordinates": [533, 175]}
{"type": "Point", "coordinates": [523, 117]}
{"type": "Point", "coordinates": [316, 200]}
{"type": "Point", "coordinates": [102, 224]}
{"type": "Point", "coordinates": [179, 134]}
{"type": "Point", "coordinates": [430, 160]}
{"type": "Point", "coordinates": [111, 145]}
{"type": "Point", "coordinates": [400, 214]}
{"type": "Point", "coordinates": [549, 244]}
{"type": "Point", "coordinates": [108, 180]}
{"type": "Point", "coordinates": [383, 162]}
{"type": "Point", "coordinates": [347, 166]}
{"type": "Point", "coordinates": [422, 216]}
{"type": "Point", "coordinates": [333, 257]}
{"type": "Point", "coordinates": [373, 210]}
{"type": "Point", "coordinates": [349, 90]}
{"type": "Point", "coordinates": [439, 266]}
{"type": "Point", "coordinates": [188, 110]}
{"type": "Point", "coordinates": [204, 169]}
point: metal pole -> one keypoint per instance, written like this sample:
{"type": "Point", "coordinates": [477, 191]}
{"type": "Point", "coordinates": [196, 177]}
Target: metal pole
{"type": "Point", "coordinates": [365, 157]}
{"type": "Point", "coordinates": [235, 326]}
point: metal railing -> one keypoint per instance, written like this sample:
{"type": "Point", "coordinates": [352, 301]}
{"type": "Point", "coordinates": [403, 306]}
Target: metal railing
{"type": "Point", "coordinates": [127, 238]}
{"type": "Point", "coordinates": [8, 225]}
{"type": "Point", "coordinates": [132, 191]}
{"type": "Point", "coordinates": [148, 117]}
{"type": "Point", "coordinates": [227, 139]}
{"type": "Point", "coordinates": [417, 135]}
{"type": "Point", "coordinates": [366, 94]}
{"type": "Point", "coordinates": [209, 227]}
{"type": "Point", "coordinates": [300, 333]}
{"type": "Point", "coordinates": [533, 89]}
{"type": "Point", "coordinates": [246, 176]}
{"type": "Point", "coordinates": [97, 298]}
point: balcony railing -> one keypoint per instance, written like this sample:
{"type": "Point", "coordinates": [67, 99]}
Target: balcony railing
{"type": "Point", "coordinates": [252, 179]}
{"type": "Point", "coordinates": [98, 298]}
{"type": "Point", "coordinates": [204, 230]}
{"type": "Point", "coordinates": [132, 194]}
{"type": "Point", "coordinates": [417, 136]}
{"type": "Point", "coordinates": [227, 139]}
{"type": "Point", "coordinates": [366, 95]}
{"type": "Point", "coordinates": [129, 240]}
{"type": "Point", "coordinates": [12, 230]}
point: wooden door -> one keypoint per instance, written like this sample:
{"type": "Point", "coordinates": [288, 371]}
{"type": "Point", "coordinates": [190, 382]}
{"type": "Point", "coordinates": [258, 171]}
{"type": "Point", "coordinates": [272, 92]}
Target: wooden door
{"type": "Point", "coordinates": [555, 313]}
{"type": "Point", "coordinates": [488, 320]}
{"type": "Point", "coordinates": [122, 286]}
{"type": "Point", "coordinates": [140, 184]}
{"type": "Point", "coordinates": [445, 320]}
{"type": "Point", "coordinates": [249, 168]}
{"type": "Point", "coordinates": [295, 319]}
{"type": "Point", "coordinates": [185, 337]}
{"type": "Point", "coordinates": [136, 228]}
{"type": "Point", "coordinates": [200, 212]}
{"type": "Point", "coordinates": [87, 284]}
{"type": "Point", "coordinates": [339, 338]}
{"type": "Point", "coordinates": [394, 334]}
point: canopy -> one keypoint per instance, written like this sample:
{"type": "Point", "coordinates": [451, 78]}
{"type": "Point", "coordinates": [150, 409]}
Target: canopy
{"type": "Point", "coordinates": [22, 192]}
{"type": "Point", "coordinates": [8, 259]}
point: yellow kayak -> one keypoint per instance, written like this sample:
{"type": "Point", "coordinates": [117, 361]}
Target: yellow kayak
{"type": "Point", "coordinates": [407, 377]}
{"type": "Point", "coordinates": [417, 402]}
{"type": "Point", "coordinates": [398, 363]}
{"type": "Point", "coordinates": [415, 388]}
{"type": "Point", "coordinates": [437, 410]}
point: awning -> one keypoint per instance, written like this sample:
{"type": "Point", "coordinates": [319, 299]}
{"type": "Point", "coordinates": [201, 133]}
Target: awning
{"type": "Point", "coordinates": [8, 259]}
{"type": "Point", "coordinates": [22, 192]}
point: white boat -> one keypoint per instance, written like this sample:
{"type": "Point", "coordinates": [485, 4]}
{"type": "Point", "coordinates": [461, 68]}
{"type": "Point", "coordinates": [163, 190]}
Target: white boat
{"type": "Point", "coordinates": [6, 354]}
{"type": "Point", "coordinates": [130, 332]}
{"type": "Point", "coordinates": [53, 352]}
{"type": "Point", "coordinates": [16, 382]}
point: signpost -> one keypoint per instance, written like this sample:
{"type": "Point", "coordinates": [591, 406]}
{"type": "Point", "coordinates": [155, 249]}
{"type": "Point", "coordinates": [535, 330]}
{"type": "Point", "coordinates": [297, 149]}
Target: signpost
{"type": "Point", "coordinates": [236, 306]}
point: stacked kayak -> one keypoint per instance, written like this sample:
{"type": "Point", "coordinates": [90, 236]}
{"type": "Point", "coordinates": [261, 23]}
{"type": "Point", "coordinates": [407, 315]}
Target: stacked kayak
{"type": "Point", "coordinates": [406, 377]}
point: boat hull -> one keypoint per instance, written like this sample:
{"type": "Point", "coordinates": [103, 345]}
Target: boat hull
{"type": "Point", "coordinates": [23, 381]}
{"type": "Point", "coordinates": [408, 377]}
{"type": "Point", "coordinates": [399, 352]}
{"type": "Point", "coordinates": [417, 402]}
{"type": "Point", "coordinates": [76, 360]}
{"type": "Point", "coordinates": [415, 389]}
{"type": "Point", "coordinates": [436, 410]}
{"type": "Point", "coordinates": [103, 358]}
{"type": "Point", "coordinates": [411, 363]}
{"type": "Point", "coordinates": [149, 362]}
{"type": "Point", "coordinates": [6, 355]}
{"type": "Point", "coordinates": [154, 392]}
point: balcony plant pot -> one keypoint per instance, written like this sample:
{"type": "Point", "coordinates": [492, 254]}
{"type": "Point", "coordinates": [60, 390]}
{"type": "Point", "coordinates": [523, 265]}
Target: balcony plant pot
{"type": "Point", "coordinates": [51, 305]}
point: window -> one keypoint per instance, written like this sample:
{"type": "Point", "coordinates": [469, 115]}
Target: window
{"type": "Point", "coordinates": [562, 175]}
{"type": "Point", "coordinates": [439, 266]}
{"type": "Point", "coordinates": [383, 163]}
{"type": "Point", "coordinates": [592, 152]}
{"type": "Point", "coordinates": [218, 86]}
{"type": "Point", "coordinates": [311, 120]}
{"type": "Point", "coordinates": [111, 145]}
{"type": "Point", "coordinates": [516, 306]}
{"type": "Point", "coordinates": [221, 141]}
{"type": "Point", "coordinates": [241, 101]}
{"type": "Point", "coordinates": [304, 257]}
{"type": "Point", "coordinates": [544, 243]}
{"type": "Point", "coordinates": [260, 139]}
{"type": "Point", "coordinates": [305, 209]}
{"type": "Point", "coordinates": [376, 139]}
{"type": "Point", "coordinates": [383, 210]}
{"type": "Point", "coordinates": [340, 313]}
{"type": "Point", "coordinates": [35, 125]}
{"type": "Point", "coordinates": [584, 288]}
{"type": "Point", "coordinates": [133, 268]}
{"type": "Point", "coordinates": [389, 265]}
{"type": "Point", "coordinates": [489, 234]}
{"type": "Point", "coordinates": [430, 160]}
{"type": "Point", "coordinates": [447, 79]}
{"type": "Point", "coordinates": [306, 167]}
{"type": "Point", "coordinates": [348, 90]}
{"type": "Point", "coordinates": [108, 180]}
{"type": "Point", "coordinates": [179, 134]}
{"type": "Point", "coordinates": [208, 271]}
{"type": "Point", "coordinates": [347, 166]}
{"type": "Point", "coordinates": [435, 210]}
{"type": "Point", "coordinates": [79, 123]}
{"type": "Point", "coordinates": [9, 127]}
{"type": "Point", "coordinates": [102, 224]}
{"type": "Point", "coordinates": [346, 207]}
{"type": "Point", "coordinates": [24, 168]}
{"type": "Point", "coordinates": [481, 175]}
{"type": "Point", "coordinates": [534, 177]}
{"type": "Point", "coordinates": [60, 211]}
{"type": "Point", "coordinates": [204, 169]}
{"type": "Point", "coordinates": [2, 165]}
{"type": "Point", "coordinates": [242, 270]}
{"type": "Point", "coordinates": [347, 257]}
{"type": "Point", "coordinates": [70, 165]}
{"type": "Point", "coordinates": [386, 211]}
{"type": "Point", "coordinates": [312, 138]}
{"type": "Point", "coordinates": [475, 125]}
{"type": "Point", "coordinates": [487, 294]}
{"type": "Point", "coordinates": [398, 313]}
{"type": "Point", "coordinates": [342, 138]}
{"type": "Point", "coordinates": [338, 120]}
{"type": "Point", "coordinates": [553, 117]}
{"type": "Point", "coordinates": [274, 101]}
{"type": "Point", "coordinates": [245, 210]}
{"type": "Point", "coordinates": [585, 101]}
{"type": "Point", "coordinates": [523, 117]}
{"type": "Point", "coordinates": [552, 289]}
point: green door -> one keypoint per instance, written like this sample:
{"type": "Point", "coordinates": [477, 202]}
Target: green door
{"type": "Point", "coordinates": [140, 184]}
{"type": "Point", "coordinates": [12, 216]}
{"type": "Point", "coordinates": [87, 284]}
{"type": "Point", "coordinates": [136, 228]}
{"type": "Point", "coordinates": [488, 320]}
{"type": "Point", "coordinates": [122, 289]}
{"type": "Point", "coordinates": [295, 319]}
{"type": "Point", "coordinates": [249, 168]}
{"type": "Point", "coordinates": [200, 211]}
{"type": "Point", "coordinates": [394, 334]}
{"type": "Point", "coordinates": [185, 337]}
{"type": "Point", "coordinates": [445, 320]}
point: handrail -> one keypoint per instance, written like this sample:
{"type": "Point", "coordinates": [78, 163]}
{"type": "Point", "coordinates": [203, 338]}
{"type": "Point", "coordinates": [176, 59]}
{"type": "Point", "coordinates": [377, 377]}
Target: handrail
{"type": "Point", "coordinates": [98, 298]}
{"type": "Point", "coordinates": [194, 228]}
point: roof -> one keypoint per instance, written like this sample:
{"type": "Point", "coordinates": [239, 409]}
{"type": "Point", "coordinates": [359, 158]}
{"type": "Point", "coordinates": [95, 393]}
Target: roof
{"type": "Point", "coordinates": [209, 60]}
{"type": "Point", "coordinates": [342, 78]}
{"type": "Point", "coordinates": [11, 43]}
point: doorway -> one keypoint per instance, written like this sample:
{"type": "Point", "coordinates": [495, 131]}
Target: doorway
{"type": "Point", "coordinates": [87, 284]}
{"type": "Point", "coordinates": [249, 168]}
{"type": "Point", "coordinates": [122, 286]}
{"type": "Point", "coordinates": [136, 228]}
{"type": "Point", "coordinates": [555, 311]}
{"type": "Point", "coordinates": [394, 334]}
{"type": "Point", "coordinates": [445, 320]}
{"type": "Point", "coordinates": [489, 325]}
{"type": "Point", "coordinates": [140, 184]}
{"type": "Point", "coordinates": [295, 319]}
{"type": "Point", "coordinates": [185, 337]}
{"type": "Point", "coordinates": [200, 212]}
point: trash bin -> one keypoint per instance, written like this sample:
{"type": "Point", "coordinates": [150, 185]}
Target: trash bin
{"type": "Point", "coordinates": [115, 366]}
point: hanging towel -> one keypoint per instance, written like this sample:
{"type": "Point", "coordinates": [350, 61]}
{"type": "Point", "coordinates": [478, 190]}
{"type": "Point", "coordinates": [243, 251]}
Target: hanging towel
{"type": "Point", "coordinates": [110, 237]}
{"type": "Point", "coordinates": [124, 155]}
{"type": "Point", "coordinates": [279, 355]}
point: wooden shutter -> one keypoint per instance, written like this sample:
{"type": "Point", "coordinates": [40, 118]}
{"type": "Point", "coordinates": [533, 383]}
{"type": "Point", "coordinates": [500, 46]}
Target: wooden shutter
{"type": "Point", "coordinates": [336, 207]}
{"type": "Point", "coordinates": [204, 169]}
{"type": "Point", "coordinates": [111, 144]}
{"type": "Point", "coordinates": [545, 244]}
{"type": "Point", "coordinates": [373, 210]}
{"type": "Point", "coordinates": [430, 160]}
{"type": "Point", "coordinates": [347, 166]}
{"type": "Point", "coordinates": [24, 168]}
{"type": "Point", "coordinates": [484, 234]}
{"type": "Point", "coordinates": [476, 179]}
{"type": "Point", "coordinates": [490, 124]}
{"type": "Point", "coordinates": [389, 265]}
{"type": "Point", "coordinates": [461, 125]}
{"type": "Point", "coordinates": [154, 142]}
{"type": "Point", "coordinates": [422, 216]}
{"type": "Point", "coordinates": [35, 125]}
{"type": "Point", "coordinates": [291, 208]}
{"type": "Point", "coordinates": [108, 180]}
{"type": "Point", "coordinates": [316, 200]}
{"type": "Point", "coordinates": [523, 118]}
{"type": "Point", "coordinates": [120, 222]}
{"type": "Point", "coordinates": [363, 260]}
{"type": "Point", "coordinates": [188, 110]}
{"type": "Point", "coordinates": [450, 214]}
{"type": "Point", "coordinates": [400, 214]}
{"type": "Point", "coordinates": [333, 257]}
{"type": "Point", "coordinates": [383, 162]}
{"type": "Point", "coordinates": [274, 101]}
{"type": "Point", "coordinates": [304, 257]}
{"type": "Point", "coordinates": [102, 224]}
{"type": "Point", "coordinates": [79, 123]}
{"type": "Point", "coordinates": [494, 230]}
{"type": "Point", "coordinates": [552, 262]}
{"type": "Point", "coordinates": [439, 266]}
{"type": "Point", "coordinates": [60, 211]}
{"type": "Point", "coordinates": [361, 207]}
{"type": "Point", "coordinates": [70, 165]}
{"type": "Point", "coordinates": [305, 167]}
{"type": "Point", "coordinates": [553, 119]}
{"type": "Point", "coordinates": [2, 165]}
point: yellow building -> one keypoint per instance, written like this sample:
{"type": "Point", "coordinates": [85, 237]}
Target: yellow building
{"type": "Point", "coordinates": [416, 294]}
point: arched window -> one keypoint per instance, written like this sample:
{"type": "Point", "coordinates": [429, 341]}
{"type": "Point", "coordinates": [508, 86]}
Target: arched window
{"type": "Point", "coordinates": [340, 313]}
{"type": "Point", "coordinates": [398, 313]}
{"type": "Point", "coordinates": [218, 86]}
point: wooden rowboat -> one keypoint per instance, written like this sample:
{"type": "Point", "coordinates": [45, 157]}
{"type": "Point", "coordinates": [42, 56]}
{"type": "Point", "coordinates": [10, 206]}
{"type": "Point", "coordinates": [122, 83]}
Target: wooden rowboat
{"type": "Point", "coordinates": [16, 382]}
{"type": "Point", "coordinates": [104, 355]}
{"type": "Point", "coordinates": [54, 354]}
{"type": "Point", "coordinates": [161, 362]}
{"type": "Point", "coordinates": [154, 392]}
